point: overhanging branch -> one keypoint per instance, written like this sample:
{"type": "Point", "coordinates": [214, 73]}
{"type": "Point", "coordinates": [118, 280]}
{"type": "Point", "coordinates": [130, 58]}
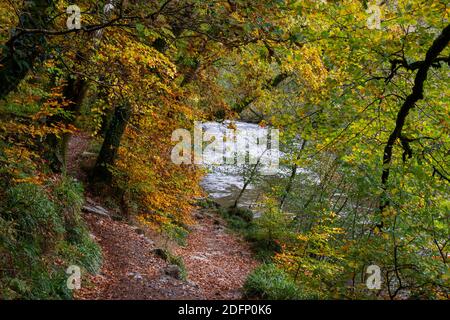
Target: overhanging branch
{"type": "Point", "coordinates": [439, 44]}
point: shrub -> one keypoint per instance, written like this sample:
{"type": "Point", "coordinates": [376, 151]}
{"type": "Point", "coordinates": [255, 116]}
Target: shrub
{"type": "Point", "coordinates": [235, 222]}
{"type": "Point", "coordinates": [269, 282]}
{"type": "Point", "coordinates": [177, 260]}
{"type": "Point", "coordinates": [243, 213]}
{"type": "Point", "coordinates": [268, 231]}
{"type": "Point", "coordinates": [34, 215]}
{"type": "Point", "coordinates": [207, 203]}
{"type": "Point", "coordinates": [40, 236]}
{"type": "Point", "coordinates": [273, 225]}
{"type": "Point", "coordinates": [168, 256]}
{"type": "Point", "coordinates": [175, 232]}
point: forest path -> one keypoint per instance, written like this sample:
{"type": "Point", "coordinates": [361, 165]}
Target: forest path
{"type": "Point", "coordinates": [217, 261]}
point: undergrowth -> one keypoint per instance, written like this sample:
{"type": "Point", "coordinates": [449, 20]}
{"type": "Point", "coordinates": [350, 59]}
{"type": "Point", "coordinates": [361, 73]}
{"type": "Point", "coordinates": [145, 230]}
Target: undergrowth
{"type": "Point", "coordinates": [41, 235]}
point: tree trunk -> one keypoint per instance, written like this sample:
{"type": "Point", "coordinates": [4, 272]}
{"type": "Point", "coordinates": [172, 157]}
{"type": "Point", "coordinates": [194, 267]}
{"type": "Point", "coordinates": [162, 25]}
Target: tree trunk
{"type": "Point", "coordinates": [253, 173]}
{"type": "Point", "coordinates": [108, 152]}
{"type": "Point", "coordinates": [75, 91]}
{"type": "Point", "coordinates": [288, 189]}
{"type": "Point", "coordinates": [20, 52]}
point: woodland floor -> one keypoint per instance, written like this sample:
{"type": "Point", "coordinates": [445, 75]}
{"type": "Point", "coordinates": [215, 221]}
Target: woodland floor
{"type": "Point", "coordinates": [217, 261]}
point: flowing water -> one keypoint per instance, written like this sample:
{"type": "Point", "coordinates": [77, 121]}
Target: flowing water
{"type": "Point", "coordinates": [224, 182]}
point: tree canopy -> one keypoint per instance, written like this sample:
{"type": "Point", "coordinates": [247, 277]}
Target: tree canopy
{"type": "Point", "coordinates": [358, 90]}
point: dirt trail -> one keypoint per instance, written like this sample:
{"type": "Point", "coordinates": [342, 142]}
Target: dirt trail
{"type": "Point", "coordinates": [216, 260]}
{"type": "Point", "coordinates": [217, 263]}
{"type": "Point", "coordinates": [76, 155]}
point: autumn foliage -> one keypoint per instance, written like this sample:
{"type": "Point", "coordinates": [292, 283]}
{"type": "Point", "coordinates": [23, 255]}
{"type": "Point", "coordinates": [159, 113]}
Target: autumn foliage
{"type": "Point", "coordinates": [362, 109]}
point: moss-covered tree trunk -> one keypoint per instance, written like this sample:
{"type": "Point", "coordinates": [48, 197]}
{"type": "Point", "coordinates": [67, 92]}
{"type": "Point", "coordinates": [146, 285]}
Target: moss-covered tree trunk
{"type": "Point", "coordinates": [111, 144]}
{"type": "Point", "coordinates": [74, 92]}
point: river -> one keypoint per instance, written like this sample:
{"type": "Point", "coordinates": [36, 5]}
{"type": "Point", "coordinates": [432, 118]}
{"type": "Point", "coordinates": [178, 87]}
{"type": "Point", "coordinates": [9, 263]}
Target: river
{"type": "Point", "coordinates": [223, 182]}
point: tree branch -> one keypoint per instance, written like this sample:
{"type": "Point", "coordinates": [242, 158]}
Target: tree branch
{"type": "Point", "coordinates": [439, 44]}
